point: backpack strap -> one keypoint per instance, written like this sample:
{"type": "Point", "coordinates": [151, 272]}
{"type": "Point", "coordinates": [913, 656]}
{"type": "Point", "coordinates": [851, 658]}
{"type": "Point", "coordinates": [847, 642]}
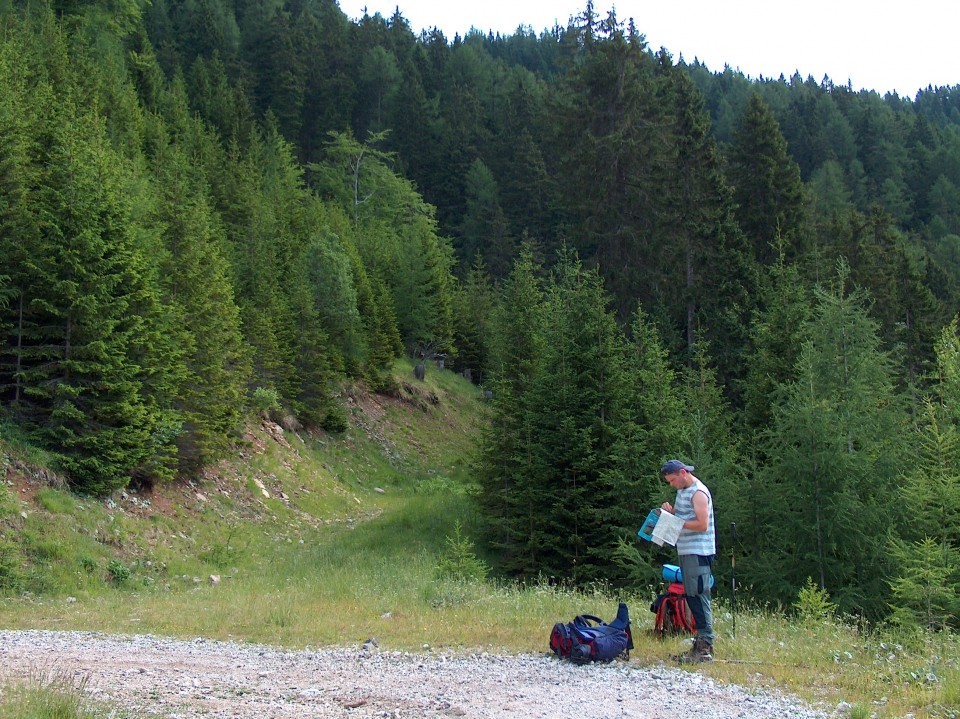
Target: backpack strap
{"type": "Point", "coordinates": [684, 615]}
{"type": "Point", "coordinates": [660, 618]}
{"type": "Point", "coordinates": [622, 620]}
{"type": "Point", "coordinates": [588, 620]}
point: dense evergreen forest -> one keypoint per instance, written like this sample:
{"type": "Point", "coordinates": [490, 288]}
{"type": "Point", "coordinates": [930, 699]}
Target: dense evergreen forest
{"type": "Point", "coordinates": [212, 207]}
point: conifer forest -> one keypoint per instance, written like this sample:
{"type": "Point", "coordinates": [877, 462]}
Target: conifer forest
{"type": "Point", "coordinates": [213, 207]}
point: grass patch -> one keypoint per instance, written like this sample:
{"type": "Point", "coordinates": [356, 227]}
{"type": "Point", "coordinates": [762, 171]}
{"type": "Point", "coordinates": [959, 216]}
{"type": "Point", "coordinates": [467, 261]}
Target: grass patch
{"type": "Point", "coordinates": [51, 695]}
{"type": "Point", "coordinates": [381, 578]}
{"type": "Point", "coordinates": [313, 539]}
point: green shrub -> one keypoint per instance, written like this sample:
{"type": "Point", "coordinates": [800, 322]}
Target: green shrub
{"type": "Point", "coordinates": [118, 571]}
{"type": "Point", "coordinates": [336, 420]}
{"type": "Point", "coordinates": [8, 504]}
{"type": "Point", "coordinates": [813, 603]}
{"type": "Point", "coordinates": [266, 399]}
{"type": "Point", "coordinates": [459, 561]}
{"type": "Point", "coordinates": [11, 573]}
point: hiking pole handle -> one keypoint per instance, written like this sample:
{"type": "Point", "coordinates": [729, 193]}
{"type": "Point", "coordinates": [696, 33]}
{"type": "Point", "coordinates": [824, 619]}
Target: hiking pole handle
{"type": "Point", "coordinates": [733, 539]}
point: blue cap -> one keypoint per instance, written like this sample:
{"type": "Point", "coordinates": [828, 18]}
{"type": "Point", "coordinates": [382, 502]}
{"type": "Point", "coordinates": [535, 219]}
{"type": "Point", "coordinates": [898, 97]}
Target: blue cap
{"type": "Point", "coordinates": [673, 466]}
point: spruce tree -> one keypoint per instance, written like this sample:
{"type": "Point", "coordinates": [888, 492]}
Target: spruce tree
{"type": "Point", "coordinates": [927, 546]}
{"type": "Point", "coordinates": [828, 493]}
{"type": "Point", "coordinates": [484, 230]}
{"type": "Point", "coordinates": [924, 590]}
{"type": "Point", "coordinates": [312, 396]}
{"type": "Point", "coordinates": [881, 261]}
{"type": "Point", "coordinates": [932, 482]}
{"type": "Point", "coordinates": [18, 226]}
{"type": "Point", "coordinates": [946, 377]}
{"type": "Point", "coordinates": [196, 280]}
{"type": "Point", "coordinates": [366, 334]}
{"type": "Point", "coordinates": [767, 187]}
{"type": "Point", "coordinates": [472, 319]}
{"type": "Point", "coordinates": [783, 308]}
{"type": "Point", "coordinates": [517, 155]}
{"type": "Point", "coordinates": [386, 344]}
{"type": "Point", "coordinates": [88, 310]}
{"type": "Point", "coordinates": [605, 147]}
{"type": "Point", "coordinates": [707, 290]}
{"type": "Point", "coordinates": [329, 274]}
{"type": "Point", "coordinates": [257, 254]}
{"type": "Point", "coordinates": [651, 427]}
{"type": "Point", "coordinates": [572, 406]}
{"type": "Point", "coordinates": [506, 453]}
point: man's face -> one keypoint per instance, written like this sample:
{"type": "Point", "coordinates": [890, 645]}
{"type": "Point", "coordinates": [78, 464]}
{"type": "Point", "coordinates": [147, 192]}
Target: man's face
{"type": "Point", "coordinates": [677, 480]}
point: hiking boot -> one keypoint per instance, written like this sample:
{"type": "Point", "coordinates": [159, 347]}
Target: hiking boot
{"type": "Point", "coordinates": [701, 651]}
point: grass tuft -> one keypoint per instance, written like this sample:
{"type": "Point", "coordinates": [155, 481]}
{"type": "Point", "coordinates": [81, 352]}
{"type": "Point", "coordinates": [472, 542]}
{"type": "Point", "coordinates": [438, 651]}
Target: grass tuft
{"type": "Point", "coordinates": [51, 695]}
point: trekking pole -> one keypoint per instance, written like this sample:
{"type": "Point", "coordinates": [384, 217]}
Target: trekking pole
{"type": "Point", "coordinates": [733, 574]}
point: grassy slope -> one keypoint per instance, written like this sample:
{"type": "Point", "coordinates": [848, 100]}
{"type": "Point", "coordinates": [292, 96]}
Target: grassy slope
{"type": "Point", "coordinates": [310, 539]}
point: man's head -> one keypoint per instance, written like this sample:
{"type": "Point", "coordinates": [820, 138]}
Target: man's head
{"type": "Point", "coordinates": [672, 466]}
{"type": "Point", "coordinates": [676, 473]}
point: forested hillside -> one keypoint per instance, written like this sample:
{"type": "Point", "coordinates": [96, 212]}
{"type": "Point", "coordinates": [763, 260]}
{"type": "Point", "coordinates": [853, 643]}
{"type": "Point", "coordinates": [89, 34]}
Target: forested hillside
{"type": "Point", "coordinates": [208, 208]}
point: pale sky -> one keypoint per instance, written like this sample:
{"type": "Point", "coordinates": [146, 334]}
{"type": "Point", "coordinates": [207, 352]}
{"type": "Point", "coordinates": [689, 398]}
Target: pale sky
{"type": "Point", "coordinates": [880, 45]}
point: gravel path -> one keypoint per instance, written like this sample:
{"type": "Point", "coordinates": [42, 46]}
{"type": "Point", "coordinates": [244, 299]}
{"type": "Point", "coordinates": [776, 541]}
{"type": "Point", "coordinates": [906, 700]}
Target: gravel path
{"type": "Point", "coordinates": [177, 679]}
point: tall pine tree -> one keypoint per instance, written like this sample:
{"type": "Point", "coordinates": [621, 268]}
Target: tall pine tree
{"type": "Point", "coordinates": [767, 187]}
{"type": "Point", "coordinates": [829, 491]}
{"type": "Point", "coordinates": [506, 454]}
{"type": "Point", "coordinates": [572, 404]}
{"type": "Point", "coordinates": [87, 312]}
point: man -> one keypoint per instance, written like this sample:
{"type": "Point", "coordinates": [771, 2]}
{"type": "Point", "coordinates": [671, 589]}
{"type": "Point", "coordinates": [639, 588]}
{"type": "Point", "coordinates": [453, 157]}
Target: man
{"type": "Point", "coordinates": [696, 548]}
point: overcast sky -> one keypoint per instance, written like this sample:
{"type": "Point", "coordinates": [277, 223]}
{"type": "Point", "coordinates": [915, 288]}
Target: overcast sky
{"type": "Point", "coordinates": [881, 45]}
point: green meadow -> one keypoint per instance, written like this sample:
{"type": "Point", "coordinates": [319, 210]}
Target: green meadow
{"type": "Point", "coordinates": [309, 540]}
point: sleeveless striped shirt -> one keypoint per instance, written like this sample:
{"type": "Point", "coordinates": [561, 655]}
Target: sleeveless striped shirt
{"type": "Point", "coordinates": [690, 542]}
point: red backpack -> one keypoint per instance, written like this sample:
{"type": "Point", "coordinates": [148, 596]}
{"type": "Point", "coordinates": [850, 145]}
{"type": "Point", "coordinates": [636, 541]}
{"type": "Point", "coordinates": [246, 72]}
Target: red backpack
{"type": "Point", "coordinates": [672, 615]}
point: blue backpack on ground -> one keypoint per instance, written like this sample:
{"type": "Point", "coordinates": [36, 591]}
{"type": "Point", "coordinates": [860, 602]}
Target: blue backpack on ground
{"type": "Point", "coordinates": [590, 639]}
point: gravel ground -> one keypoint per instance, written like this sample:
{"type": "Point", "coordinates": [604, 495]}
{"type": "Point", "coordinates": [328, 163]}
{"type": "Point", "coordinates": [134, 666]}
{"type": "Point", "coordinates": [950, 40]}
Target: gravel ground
{"type": "Point", "coordinates": [177, 679]}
